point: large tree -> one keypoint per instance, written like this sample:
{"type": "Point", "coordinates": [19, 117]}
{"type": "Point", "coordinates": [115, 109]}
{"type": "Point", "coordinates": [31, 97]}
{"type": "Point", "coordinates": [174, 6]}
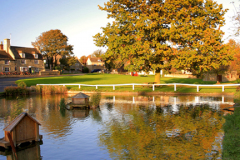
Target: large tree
{"type": "Point", "coordinates": [67, 62]}
{"type": "Point", "coordinates": [53, 43]}
{"type": "Point", "coordinates": [159, 34]}
{"type": "Point", "coordinates": [234, 48]}
{"type": "Point", "coordinates": [98, 53]}
{"type": "Point", "coordinates": [83, 60]}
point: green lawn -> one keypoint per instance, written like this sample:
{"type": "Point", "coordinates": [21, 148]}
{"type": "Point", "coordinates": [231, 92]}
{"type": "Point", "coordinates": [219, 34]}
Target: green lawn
{"type": "Point", "coordinates": [94, 79]}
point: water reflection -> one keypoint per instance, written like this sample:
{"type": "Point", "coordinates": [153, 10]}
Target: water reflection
{"type": "Point", "coordinates": [31, 152]}
{"type": "Point", "coordinates": [147, 133]}
{"type": "Point", "coordinates": [80, 113]}
{"type": "Point", "coordinates": [128, 127]}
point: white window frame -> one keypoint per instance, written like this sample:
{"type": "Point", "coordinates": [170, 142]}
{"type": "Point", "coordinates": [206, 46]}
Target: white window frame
{"type": "Point", "coordinates": [22, 55]}
{"type": "Point", "coordinates": [36, 62]}
{"type": "Point", "coordinates": [36, 56]}
{"type": "Point", "coordinates": [6, 68]}
{"type": "Point", "coordinates": [23, 69]}
{"type": "Point", "coordinates": [8, 62]}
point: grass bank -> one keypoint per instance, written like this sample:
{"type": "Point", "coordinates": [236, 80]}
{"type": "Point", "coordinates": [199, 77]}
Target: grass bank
{"type": "Point", "coordinates": [94, 79]}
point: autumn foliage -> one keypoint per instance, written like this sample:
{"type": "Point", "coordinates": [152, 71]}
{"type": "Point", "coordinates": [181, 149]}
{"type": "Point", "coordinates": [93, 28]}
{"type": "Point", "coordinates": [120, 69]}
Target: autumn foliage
{"type": "Point", "coordinates": [53, 43]}
{"type": "Point", "coordinates": [234, 49]}
{"type": "Point", "coordinates": [146, 33]}
{"type": "Point", "coordinates": [192, 133]}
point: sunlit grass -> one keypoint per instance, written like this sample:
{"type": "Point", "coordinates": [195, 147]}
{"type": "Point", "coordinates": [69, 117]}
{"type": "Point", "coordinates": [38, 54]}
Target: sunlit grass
{"type": "Point", "coordinates": [95, 79]}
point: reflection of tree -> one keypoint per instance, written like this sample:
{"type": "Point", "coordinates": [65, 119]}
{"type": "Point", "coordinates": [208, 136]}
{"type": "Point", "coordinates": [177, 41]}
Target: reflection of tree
{"type": "Point", "coordinates": [231, 141]}
{"type": "Point", "coordinates": [96, 114]}
{"type": "Point", "coordinates": [150, 134]}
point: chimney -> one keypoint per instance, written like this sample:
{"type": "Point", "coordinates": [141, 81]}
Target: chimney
{"type": "Point", "coordinates": [6, 45]}
{"type": "Point", "coordinates": [1, 46]}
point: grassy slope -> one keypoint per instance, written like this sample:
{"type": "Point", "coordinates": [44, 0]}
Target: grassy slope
{"type": "Point", "coordinates": [122, 79]}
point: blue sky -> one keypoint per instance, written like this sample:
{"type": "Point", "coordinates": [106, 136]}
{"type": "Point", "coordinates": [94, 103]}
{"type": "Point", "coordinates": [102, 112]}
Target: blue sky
{"type": "Point", "coordinates": [79, 20]}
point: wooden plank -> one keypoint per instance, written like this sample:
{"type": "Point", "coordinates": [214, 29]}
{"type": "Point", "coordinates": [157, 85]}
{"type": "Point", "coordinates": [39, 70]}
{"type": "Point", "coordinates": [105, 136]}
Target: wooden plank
{"type": "Point", "coordinates": [4, 143]}
{"type": "Point", "coordinates": [36, 132]}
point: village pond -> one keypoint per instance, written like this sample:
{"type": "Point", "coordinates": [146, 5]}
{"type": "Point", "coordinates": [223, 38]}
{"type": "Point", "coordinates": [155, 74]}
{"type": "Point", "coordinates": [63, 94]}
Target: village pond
{"type": "Point", "coordinates": [124, 127]}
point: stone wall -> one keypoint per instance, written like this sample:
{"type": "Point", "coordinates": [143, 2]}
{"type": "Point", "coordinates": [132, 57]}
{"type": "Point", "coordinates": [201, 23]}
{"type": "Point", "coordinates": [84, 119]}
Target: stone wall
{"type": "Point", "coordinates": [15, 65]}
{"type": "Point", "coordinates": [228, 76]}
{"type": "Point", "coordinates": [54, 72]}
{"type": "Point", "coordinates": [92, 67]}
{"type": "Point", "coordinates": [180, 75]}
{"type": "Point", "coordinates": [11, 66]}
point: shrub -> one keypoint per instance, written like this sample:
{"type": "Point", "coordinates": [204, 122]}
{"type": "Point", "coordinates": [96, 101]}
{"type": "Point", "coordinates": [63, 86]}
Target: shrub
{"type": "Point", "coordinates": [85, 70]}
{"type": "Point", "coordinates": [95, 100]}
{"type": "Point", "coordinates": [58, 68]}
{"type": "Point", "coordinates": [53, 90]}
{"type": "Point", "coordinates": [38, 89]}
{"type": "Point", "coordinates": [22, 84]}
{"type": "Point", "coordinates": [14, 91]}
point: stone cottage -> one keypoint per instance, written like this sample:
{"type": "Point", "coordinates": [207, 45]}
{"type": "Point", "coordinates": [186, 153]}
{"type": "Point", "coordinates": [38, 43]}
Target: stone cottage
{"type": "Point", "coordinates": [19, 59]}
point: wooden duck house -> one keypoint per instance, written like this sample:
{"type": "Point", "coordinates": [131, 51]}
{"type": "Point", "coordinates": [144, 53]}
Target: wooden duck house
{"type": "Point", "coordinates": [23, 128]}
{"type": "Point", "coordinates": [80, 100]}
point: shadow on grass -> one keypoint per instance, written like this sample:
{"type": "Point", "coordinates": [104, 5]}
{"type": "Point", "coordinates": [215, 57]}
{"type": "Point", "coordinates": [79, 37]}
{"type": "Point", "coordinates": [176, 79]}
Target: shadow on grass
{"type": "Point", "coordinates": [188, 81]}
{"type": "Point", "coordinates": [58, 80]}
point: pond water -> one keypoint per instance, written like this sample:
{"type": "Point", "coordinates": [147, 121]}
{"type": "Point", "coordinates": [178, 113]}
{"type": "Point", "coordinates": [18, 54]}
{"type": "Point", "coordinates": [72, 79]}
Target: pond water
{"type": "Point", "coordinates": [130, 127]}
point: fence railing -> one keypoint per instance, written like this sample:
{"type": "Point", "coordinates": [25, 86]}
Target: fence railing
{"type": "Point", "coordinates": [153, 85]}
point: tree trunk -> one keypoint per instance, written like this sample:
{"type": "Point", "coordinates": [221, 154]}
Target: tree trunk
{"type": "Point", "coordinates": [157, 76]}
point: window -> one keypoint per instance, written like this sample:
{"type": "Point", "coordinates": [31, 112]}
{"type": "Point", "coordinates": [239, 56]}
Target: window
{"type": "Point", "coordinates": [22, 55]}
{"type": "Point", "coordinates": [36, 70]}
{"type": "Point", "coordinates": [35, 61]}
{"type": "Point", "coordinates": [23, 69]}
{"type": "Point", "coordinates": [23, 61]}
{"type": "Point", "coordinates": [7, 62]}
{"type": "Point", "coordinates": [7, 69]}
{"type": "Point", "coordinates": [35, 55]}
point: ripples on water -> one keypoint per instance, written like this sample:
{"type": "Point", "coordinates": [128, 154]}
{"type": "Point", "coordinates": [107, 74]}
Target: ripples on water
{"type": "Point", "coordinates": [159, 127]}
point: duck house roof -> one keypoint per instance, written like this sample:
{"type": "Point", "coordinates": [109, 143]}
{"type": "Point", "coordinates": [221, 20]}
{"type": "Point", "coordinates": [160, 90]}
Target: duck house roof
{"type": "Point", "coordinates": [15, 122]}
{"type": "Point", "coordinates": [81, 95]}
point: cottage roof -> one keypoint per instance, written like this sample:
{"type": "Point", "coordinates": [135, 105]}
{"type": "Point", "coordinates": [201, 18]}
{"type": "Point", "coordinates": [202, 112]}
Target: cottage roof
{"type": "Point", "coordinates": [5, 55]}
{"type": "Point", "coordinates": [27, 51]}
{"type": "Point", "coordinates": [14, 123]}
{"type": "Point", "coordinates": [94, 59]}
{"type": "Point", "coordinates": [80, 95]}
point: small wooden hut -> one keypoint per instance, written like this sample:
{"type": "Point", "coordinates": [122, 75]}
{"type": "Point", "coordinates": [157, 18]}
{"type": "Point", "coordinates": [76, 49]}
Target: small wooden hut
{"type": "Point", "coordinates": [23, 128]}
{"type": "Point", "coordinates": [80, 100]}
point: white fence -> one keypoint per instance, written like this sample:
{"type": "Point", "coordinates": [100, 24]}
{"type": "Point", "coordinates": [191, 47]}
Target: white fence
{"type": "Point", "coordinates": [153, 85]}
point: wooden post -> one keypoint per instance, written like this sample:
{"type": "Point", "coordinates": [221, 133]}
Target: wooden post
{"type": "Point", "coordinates": [175, 87]}
{"type": "Point", "coordinates": [222, 99]}
{"type": "Point", "coordinates": [96, 87]}
{"type": "Point", "coordinates": [197, 88]}
{"type": "Point", "coordinates": [133, 86]}
{"type": "Point", "coordinates": [113, 87]}
{"type": "Point", "coordinates": [14, 137]}
{"type": "Point", "coordinates": [153, 99]}
{"type": "Point", "coordinates": [222, 88]}
{"type": "Point", "coordinates": [79, 86]}
{"type": "Point", "coordinates": [36, 132]}
{"type": "Point", "coordinates": [153, 88]}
